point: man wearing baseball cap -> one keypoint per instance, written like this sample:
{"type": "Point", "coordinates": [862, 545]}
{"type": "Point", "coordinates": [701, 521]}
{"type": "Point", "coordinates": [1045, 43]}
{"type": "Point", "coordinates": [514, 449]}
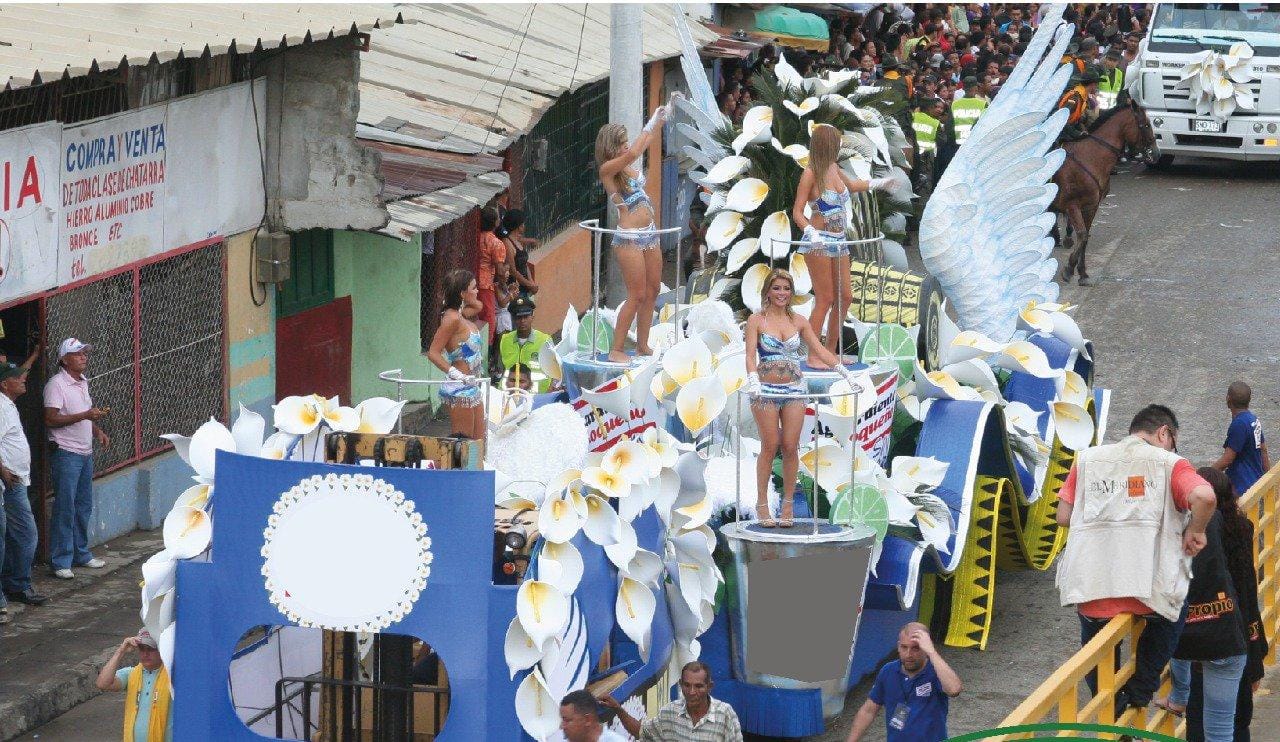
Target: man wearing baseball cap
{"type": "Point", "coordinates": [73, 427]}
{"type": "Point", "coordinates": [146, 685]}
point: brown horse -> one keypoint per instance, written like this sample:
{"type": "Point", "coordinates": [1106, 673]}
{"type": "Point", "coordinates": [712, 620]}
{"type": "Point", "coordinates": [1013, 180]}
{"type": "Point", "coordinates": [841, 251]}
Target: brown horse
{"type": "Point", "coordinates": [1085, 176]}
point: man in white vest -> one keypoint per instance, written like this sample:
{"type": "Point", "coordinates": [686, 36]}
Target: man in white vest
{"type": "Point", "coordinates": [1137, 512]}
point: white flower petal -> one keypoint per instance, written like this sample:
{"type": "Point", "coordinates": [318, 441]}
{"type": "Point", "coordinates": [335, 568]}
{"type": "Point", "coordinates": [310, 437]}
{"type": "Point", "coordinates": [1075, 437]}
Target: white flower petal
{"type": "Point", "coordinates": [1073, 425]}
{"type": "Point", "coordinates": [746, 195]}
{"type": "Point", "coordinates": [380, 414]}
{"type": "Point", "coordinates": [542, 610]}
{"type": "Point", "coordinates": [187, 532]}
{"type": "Point", "coordinates": [699, 402]}
{"type": "Point", "coordinates": [569, 566]}
{"type": "Point", "coordinates": [724, 227]}
{"type": "Point", "coordinates": [209, 438]}
{"type": "Point", "coordinates": [538, 712]}
{"type": "Point", "coordinates": [519, 650]}
{"type": "Point", "coordinates": [297, 415]}
{"type": "Point", "coordinates": [634, 608]}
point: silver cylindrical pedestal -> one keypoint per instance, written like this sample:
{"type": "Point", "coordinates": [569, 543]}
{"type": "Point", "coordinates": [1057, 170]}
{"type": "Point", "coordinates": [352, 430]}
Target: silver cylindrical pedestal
{"type": "Point", "coordinates": [795, 600]}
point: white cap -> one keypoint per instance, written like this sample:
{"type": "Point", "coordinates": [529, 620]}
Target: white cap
{"type": "Point", "coordinates": [72, 345]}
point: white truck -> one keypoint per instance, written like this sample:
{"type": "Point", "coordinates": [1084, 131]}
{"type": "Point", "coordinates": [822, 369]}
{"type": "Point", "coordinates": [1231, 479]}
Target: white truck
{"type": "Point", "coordinates": [1249, 128]}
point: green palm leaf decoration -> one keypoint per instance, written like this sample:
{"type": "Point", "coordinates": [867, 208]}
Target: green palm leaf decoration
{"type": "Point", "coordinates": [871, 147]}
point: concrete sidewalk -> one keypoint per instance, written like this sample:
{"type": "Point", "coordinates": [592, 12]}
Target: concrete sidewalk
{"type": "Point", "coordinates": [50, 656]}
{"type": "Point", "coordinates": [1266, 706]}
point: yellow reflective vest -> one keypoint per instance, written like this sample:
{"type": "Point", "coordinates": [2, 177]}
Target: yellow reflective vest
{"type": "Point", "coordinates": [964, 114]}
{"type": "Point", "coordinates": [1109, 88]}
{"type": "Point", "coordinates": [926, 128]}
{"type": "Point", "coordinates": [513, 351]}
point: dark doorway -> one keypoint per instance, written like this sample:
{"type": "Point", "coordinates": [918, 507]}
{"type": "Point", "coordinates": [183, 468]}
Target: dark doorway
{"type": "Point", "coordinates": [20, 337]}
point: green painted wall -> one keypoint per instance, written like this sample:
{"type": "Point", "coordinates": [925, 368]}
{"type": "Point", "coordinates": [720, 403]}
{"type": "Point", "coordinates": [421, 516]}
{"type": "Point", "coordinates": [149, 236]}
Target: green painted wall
{"type": "Point", "coordinates": [382, 276]}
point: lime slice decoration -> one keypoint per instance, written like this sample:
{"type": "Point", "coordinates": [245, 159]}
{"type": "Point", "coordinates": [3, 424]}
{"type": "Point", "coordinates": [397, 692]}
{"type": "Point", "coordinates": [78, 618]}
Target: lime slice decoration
{"type": "Point", "coordinates": [863, 504]}
{"type": "Point", "coordinates": [891, 343]}
{"type": "Point", "coordinates": [604, 334]}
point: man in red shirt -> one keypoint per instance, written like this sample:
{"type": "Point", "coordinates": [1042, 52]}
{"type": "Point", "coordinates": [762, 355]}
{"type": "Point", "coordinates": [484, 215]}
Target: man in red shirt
{"type": "Point", "coordinates": [1128, 542]}
{"type": "Point", "coordinates": [492, 252]}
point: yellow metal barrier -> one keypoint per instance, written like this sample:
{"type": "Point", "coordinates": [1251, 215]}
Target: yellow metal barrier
{"type": "Point", "coordinates": [1059, 697]}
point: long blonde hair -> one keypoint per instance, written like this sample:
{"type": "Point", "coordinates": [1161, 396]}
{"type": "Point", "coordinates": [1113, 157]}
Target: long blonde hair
{"type": "Point", "coordinates": [774, 275]}
{"type": "Point", "coordinates": [824, 148]}
{"type": "Point", "coordinates": [609, 142]}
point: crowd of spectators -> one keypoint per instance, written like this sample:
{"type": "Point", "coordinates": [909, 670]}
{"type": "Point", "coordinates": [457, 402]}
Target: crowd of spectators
{"type": "Point", "coordinates": [939, 53]}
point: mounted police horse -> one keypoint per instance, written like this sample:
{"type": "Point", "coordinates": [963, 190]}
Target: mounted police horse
{"type": "Point", "coordinates": [1085, 176]}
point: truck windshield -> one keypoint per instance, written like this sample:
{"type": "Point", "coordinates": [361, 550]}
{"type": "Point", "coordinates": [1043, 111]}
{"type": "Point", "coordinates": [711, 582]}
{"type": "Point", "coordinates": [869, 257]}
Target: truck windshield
{"type": "Point", "coordinates": [1190, 27]}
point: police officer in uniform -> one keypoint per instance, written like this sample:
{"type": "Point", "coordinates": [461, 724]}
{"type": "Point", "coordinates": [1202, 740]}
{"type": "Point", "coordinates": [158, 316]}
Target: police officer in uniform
{"type": "Point", "coordinates": [1112, 81]}
{"type": "Point", "coordinates": [521, 345]}
{"type": "Point", "coordinates": [1076, 100]}
{"type": "Point", "coordinates": [926, 127]}
{"type": "Point", "coordinates": [966, 111]}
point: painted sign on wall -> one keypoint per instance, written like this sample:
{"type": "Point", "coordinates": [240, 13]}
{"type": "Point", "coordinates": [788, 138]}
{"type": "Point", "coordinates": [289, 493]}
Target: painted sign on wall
{"type": "Point", "coordinates": [140, 183]}
{"type": "Point", "coordinates": [113, 181]}
{"type": "Point", "coordinates": [28, 210]}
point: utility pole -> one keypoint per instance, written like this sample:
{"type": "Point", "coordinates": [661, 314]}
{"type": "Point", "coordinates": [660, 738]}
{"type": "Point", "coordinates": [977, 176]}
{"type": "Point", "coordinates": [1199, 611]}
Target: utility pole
{"type": "Point", "coordinates": [626, 101]}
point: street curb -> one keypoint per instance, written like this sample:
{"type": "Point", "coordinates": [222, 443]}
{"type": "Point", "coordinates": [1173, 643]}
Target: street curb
{"type": "Point", "coordinates": [52, 698]}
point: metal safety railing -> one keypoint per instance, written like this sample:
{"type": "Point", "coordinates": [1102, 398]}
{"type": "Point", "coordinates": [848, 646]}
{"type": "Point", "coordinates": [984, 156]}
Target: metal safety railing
{"type": "Point", "coordinates": [396, 376]}
{"type": "Point", "coordinates": [1059, 694]}
{"type": "Point", "coordinates": [811, 401]}
{"type": "Point", "coordinates": [597, 237]}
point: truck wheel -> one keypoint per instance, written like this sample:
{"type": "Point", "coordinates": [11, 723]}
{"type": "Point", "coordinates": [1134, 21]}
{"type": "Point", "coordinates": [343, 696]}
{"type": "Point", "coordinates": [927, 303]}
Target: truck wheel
{"type": "Point", "coordinates": [1162, 162]}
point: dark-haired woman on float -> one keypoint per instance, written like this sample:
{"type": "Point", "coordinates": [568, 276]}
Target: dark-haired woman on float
{"type": "Point", "coordinates": [456, 349]}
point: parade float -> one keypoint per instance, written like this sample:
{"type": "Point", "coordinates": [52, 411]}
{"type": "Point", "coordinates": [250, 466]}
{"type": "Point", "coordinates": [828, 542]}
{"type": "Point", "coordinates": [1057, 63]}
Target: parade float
{"type": "Point", "coordinates": [597, 538]}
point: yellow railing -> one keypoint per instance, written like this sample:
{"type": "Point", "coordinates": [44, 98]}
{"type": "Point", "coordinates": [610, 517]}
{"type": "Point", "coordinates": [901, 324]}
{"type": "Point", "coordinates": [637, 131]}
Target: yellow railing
{"type": "Point", "coordinates": [1059, 696]}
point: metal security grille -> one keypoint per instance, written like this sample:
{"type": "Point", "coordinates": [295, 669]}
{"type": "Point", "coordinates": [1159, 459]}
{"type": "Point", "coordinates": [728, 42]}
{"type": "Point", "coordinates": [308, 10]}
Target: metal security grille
{"type": "Point", "coordinates": [158, 358]}
{"type": "Point", "coordinates": [560, 182]}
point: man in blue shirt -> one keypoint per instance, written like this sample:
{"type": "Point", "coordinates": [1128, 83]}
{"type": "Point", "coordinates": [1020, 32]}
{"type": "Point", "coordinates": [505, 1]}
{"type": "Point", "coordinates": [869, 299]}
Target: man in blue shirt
{"type": "Point", "coordinates": [915, 691]}
{"type": "Point", "coordinates": [1244, 454]}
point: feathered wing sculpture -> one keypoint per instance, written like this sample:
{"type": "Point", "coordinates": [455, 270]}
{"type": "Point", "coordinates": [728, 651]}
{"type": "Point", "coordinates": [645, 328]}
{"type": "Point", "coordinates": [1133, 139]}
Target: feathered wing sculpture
{"type": "Point", "coordinates": [984, 233]}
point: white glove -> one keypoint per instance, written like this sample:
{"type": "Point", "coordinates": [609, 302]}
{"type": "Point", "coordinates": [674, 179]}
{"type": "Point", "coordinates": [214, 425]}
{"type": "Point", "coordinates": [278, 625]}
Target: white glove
{"type": "Point", "coordinates": [880, 184]}
{"type": "Point", "coordinates": [456, 375]}
{"type": "Point", "coordinates": [659, 115]}
{"type": "Point", "coordinates": [810, 234]}
{"type": "Point", "coordinates": [753, 384]}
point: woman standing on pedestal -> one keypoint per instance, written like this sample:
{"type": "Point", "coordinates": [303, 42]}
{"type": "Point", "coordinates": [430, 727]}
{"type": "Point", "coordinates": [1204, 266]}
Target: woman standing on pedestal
{"type": "Point", "coordinates": [776, 339]}
{"type": "Point", "coordinates": [827, 189]}
{"type": "Point", "coordinates": [636, 246]}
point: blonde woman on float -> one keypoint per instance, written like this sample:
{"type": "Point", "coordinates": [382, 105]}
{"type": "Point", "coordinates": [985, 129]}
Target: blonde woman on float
{"type": "Point", "coordinates": [776, 337]}
{"type": "Point", "coordinates": [636, 246]}
{"type": "Point", "coordinates": [827, 190]}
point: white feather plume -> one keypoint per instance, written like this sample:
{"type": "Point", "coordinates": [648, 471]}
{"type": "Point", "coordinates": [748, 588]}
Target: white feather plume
{"type": "Point", "coordinates": [984, 231]}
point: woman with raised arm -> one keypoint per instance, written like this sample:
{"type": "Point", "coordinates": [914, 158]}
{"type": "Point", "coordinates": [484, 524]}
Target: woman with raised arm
{"type": "Point", "coordinates": [635, 246]}
{"type": "Point", "coordinates": [827, 189]}
{"type": "Point", "coordinates": [776, 337]}
{"type": "Point", "coordinates": [456, 350]}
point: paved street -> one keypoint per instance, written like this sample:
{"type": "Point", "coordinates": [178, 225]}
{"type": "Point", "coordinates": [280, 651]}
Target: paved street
{"type": "Point", "coordinates": [1187, 263]}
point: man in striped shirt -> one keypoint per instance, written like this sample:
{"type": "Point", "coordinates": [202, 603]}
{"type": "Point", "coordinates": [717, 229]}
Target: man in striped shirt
{"type": "Point", "coordinates": [697, 717]}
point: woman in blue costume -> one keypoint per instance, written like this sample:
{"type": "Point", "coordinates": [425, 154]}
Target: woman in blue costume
{"type": "Point", "coordinates": [636, 247]}
{"type": "Point", "coordinates": [456, 350]}
{"type": "Point", "coordinates": [776, 340]}
{"type": "Point", "coordinates": [827, 189]}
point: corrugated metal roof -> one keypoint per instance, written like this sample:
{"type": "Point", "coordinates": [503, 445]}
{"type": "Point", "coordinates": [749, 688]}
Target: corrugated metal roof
{"type": "Point", "coordinates": [442, 75]}
{"type": "Point", "coordinates": [434, 210]}
{"type": "Point", "coordinates": [412, 171]}
{"type": "Point", "coordinates": [40, 43]}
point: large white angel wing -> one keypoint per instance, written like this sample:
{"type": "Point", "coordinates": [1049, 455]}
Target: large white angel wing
{"type": "Point", "coordinates": [984, 232]}
{"type": "Point", "coordinates": [700, 107]}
